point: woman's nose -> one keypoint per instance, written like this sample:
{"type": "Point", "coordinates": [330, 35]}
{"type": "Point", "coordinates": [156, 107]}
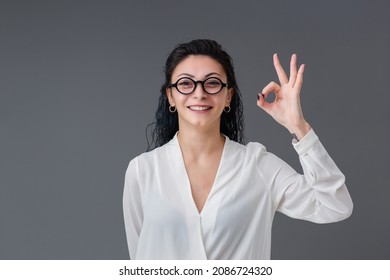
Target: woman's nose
{"type": "Point", "coordinates": [199, 92]}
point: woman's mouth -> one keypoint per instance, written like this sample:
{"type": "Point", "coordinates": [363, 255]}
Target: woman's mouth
{"type": "Point", "coordinates": [199, 108]}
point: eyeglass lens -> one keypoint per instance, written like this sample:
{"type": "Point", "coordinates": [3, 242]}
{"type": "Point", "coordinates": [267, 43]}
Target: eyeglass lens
{"type": "Point", "coordinates": [210, 85]}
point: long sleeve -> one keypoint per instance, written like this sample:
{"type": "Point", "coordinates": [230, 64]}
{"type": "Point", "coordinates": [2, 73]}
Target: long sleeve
{"type": "Point", "coordinates": [319, 195]}
{"type": "Point", "coordinates": [132, 208]}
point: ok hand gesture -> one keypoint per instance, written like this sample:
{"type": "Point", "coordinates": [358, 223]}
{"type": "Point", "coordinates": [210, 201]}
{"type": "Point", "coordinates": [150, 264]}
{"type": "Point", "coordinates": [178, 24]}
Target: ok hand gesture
{"type": "Point", "coordinates": [286, 108]}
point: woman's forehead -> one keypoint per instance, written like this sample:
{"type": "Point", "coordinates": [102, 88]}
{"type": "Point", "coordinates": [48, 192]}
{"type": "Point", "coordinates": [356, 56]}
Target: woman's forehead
{"type": "Point", "coordinates": [198, 66]}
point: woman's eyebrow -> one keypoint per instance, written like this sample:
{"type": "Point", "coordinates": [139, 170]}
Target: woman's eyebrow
{"type": "Point", "coordinates": [186, 74]}
{"type": "Point", "coordinates": [212, 74]}
{"type": "Point", "coordinates": [192, 76]}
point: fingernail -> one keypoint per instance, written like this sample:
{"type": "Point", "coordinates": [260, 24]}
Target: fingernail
{"type": "Point", "coordinates": [259, 95]}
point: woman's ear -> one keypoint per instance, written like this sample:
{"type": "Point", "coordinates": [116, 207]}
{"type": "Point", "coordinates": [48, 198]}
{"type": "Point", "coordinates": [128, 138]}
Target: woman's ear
{"type": "Point", "coordinates": [168, 92]}
{"type": "Point", "coordinates": [229, 96]}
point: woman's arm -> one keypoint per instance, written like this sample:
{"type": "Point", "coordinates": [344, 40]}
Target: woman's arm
{"type": "Point", "coordinates": [132, 208]}
{"type": "Point", "coordinates": [320, 194]}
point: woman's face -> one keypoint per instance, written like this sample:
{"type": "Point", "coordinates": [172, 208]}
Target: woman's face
{"type": "Point", "coordinates": [199, 108]}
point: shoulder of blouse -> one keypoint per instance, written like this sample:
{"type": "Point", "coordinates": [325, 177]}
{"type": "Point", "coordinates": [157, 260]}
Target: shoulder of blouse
{"type": "Point", "coordinates": [156, 151]}
{"type": "Point", "coordinates": [251, 151]}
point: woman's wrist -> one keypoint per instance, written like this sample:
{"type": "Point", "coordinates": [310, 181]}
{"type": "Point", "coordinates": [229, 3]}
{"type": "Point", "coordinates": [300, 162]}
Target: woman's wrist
{"type": "Point", "coordinates": [300, 131]}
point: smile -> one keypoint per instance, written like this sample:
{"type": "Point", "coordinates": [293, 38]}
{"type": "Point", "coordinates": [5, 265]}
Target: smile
{"type": "Point", "coordinates": [199, 108]}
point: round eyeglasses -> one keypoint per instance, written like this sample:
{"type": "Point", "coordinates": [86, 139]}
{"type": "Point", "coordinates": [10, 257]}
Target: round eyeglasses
{"type": "Point", "coordinates": [187, 85]}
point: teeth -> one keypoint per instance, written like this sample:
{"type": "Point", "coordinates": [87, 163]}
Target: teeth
{"type": "Point", "coordinates": [199, 108]}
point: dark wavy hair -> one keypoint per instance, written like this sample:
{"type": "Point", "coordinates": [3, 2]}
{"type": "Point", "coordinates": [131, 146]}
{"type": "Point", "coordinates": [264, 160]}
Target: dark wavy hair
{"type": "Point", "coordinates": [166, 124]}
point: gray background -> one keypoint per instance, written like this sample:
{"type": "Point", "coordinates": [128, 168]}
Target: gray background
{"type": "Point", "coordinates": [80, 82]}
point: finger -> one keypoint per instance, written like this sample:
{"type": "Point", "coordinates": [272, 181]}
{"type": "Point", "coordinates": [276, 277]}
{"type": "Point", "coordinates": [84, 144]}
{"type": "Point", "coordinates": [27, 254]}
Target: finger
{"type": "Point", "coordinates": [271, 87]}
{"type": "Point", "coordinates": [279, 70]}
{"type": "Point", "coordinates": [293, 69]}
{"type": "Point", "coordinates": [299, 81]}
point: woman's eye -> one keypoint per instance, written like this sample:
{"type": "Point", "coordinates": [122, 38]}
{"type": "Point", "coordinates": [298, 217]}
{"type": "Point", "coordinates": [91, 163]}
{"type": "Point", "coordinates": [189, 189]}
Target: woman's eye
{"type": "Point", "coordinates": [213, 83]}
{"type": "Point", "coordinates": [185, 83]}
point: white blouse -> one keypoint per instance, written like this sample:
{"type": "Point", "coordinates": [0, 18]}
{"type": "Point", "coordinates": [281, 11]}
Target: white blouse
{"type": "Point", "coordinates": [162, 221]}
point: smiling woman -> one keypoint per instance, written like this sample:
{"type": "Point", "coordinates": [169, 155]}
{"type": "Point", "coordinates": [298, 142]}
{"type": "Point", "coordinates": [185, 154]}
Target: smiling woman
{"type": "Point", "coordinates": [199, 107]}
{"type": "Point", "coordinates": [201, 193]}
{"type": "Point", "coordinates": [167, 123]}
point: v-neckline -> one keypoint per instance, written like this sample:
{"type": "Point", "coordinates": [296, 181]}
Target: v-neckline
{"type": "Point", "coordinates": [187, 178]}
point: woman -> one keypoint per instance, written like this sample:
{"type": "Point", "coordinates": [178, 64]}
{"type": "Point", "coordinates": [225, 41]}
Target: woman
{"type": "Point", "coordinates": [202, 194]}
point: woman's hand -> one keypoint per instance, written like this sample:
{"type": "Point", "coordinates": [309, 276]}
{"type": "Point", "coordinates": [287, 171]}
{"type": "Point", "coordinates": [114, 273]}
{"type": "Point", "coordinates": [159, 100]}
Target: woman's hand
{"type": "Point", "coordinates": [286, 108]}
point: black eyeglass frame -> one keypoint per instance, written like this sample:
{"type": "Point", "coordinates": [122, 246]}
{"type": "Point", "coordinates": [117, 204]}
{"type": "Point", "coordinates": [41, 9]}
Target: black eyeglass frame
{"type": "Point", "coordinates": [196, 84]}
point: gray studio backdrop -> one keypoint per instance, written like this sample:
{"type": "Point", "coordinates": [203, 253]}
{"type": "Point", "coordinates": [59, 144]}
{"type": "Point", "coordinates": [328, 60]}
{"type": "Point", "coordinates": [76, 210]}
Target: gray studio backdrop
{"type": "Point", "coordinates": [79, 82]}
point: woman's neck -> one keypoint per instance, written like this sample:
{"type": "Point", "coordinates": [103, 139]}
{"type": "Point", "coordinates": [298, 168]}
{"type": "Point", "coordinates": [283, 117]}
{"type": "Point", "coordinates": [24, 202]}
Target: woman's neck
{"type": "Point", "coordinates": [198, 142]}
